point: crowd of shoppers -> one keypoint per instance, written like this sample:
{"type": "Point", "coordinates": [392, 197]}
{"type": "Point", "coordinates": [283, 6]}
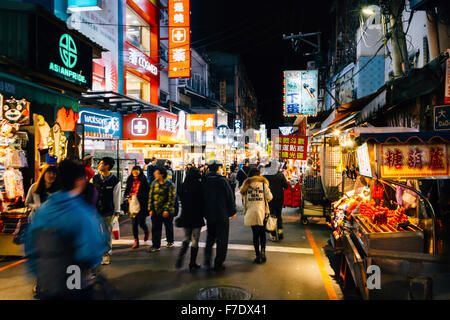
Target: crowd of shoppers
{"type": "Point", "coordinates": [206, 195]}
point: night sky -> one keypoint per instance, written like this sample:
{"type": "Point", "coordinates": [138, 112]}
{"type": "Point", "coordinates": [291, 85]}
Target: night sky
{"type": "Point", "coordinates": [254, 29]}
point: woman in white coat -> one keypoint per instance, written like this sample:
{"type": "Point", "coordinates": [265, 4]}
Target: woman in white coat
{"type": "Point", "coordinates": [255, 197]}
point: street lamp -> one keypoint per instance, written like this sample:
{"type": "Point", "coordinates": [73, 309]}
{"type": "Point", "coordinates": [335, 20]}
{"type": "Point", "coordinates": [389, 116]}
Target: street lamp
{"type": "Point", "coordinates": [368, 11]}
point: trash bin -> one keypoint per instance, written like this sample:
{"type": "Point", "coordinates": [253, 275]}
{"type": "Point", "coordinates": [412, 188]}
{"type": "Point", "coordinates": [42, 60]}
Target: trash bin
{"type": "Point", "coordinates": [223, 293]}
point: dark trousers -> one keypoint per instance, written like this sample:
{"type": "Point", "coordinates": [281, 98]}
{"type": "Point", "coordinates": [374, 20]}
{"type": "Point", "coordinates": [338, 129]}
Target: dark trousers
{"type": "Point", "coordinates": [217, 233]}
{"type": "Point", "coordinates": [139, 220]}
{"type": "Point", "coordinates": [157, 222]}
{"type": "Point", "coordinates": [275, 210]}
{"type": "Point", "coordinates": [259, 238]}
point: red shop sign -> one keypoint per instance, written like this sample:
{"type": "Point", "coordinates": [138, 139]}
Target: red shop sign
{"type": "Point", "coordinates": [291, 147]}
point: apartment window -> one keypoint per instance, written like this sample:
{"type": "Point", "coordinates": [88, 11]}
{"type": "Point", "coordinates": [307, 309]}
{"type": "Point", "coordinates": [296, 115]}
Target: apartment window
{"type": "Point", "coordinates": [137, 87]}
{"type": "Point", "coordinates": [138, 31]}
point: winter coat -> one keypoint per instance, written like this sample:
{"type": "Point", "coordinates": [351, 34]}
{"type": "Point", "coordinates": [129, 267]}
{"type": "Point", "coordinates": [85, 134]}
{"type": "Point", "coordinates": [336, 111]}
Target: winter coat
{"type": "Point", "coordinates": [142, 195]}
{"type": "Point", "coordinates": [218, 198]}
{"type": "Point", "coordinates": [65, 230]}
{"type": "Point", "coordinates": [150, 171]}
{"type": "Point", "coordinates": [162, 197]}
{"type": "Point", "coordinates": [255, 196]}
{"type": "Point", "coordinates": [191, 196]}
{"type": "Point", "coordinates": [32, 201]}
{"type": "Point", "coordinates": [278, 184]}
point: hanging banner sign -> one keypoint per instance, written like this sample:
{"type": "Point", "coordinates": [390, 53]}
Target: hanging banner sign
{"type": "Point", "coordinates": [441, 116]}
{"type": "Point", "coordinates": [365, 168]}
{"type": "Point", "coordinates": [100, 124]}
{"type": "Point", "coordinates": [200, 122]}
{"type": "Point", "coordinates": [179, 39]}
{"type": "Point", "coordinates": [300, 93]}
{"type": "Point", "coordinates": [290, 147]}
{"type": "Point", "coordinates": [447, 80]}
{"type": "Point", "coordinates": [414, 161]}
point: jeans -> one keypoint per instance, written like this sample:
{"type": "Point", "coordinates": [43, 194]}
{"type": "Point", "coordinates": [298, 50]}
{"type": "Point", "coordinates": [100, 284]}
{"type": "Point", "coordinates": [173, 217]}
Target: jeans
{"type": "Point", "coordinates": [108, 223]}
{"type": "Point", "coordinates": [157, 222]}
{"type": "Point", "coordinates": [139, 220]}
{"type": "Point", "coordinates": [217, 233]}
{"type": "Point", "coordinates": [192, 234]}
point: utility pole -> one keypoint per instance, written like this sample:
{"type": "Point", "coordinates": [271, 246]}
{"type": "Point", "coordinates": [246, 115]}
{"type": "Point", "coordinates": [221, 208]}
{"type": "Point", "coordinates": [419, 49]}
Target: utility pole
{"type": "Point", "coordinates": [296, 38]}
{"type": "Point", "coordinates": [400, 58]}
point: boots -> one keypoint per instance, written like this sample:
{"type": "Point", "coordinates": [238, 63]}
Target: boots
{"type": "Point", "coordinates": [136, 244]}
{"type": "Point", "coordinates": [146, 236]}
{"type": "Point", "coordinates": [193, 265]}
{"type": "Point", "coordinates": [180, 258]}
{"type": "Point", "coordinates": [280, 234]}
{"type": "Point", "coordinates": [263, 255]}
{"type": "Point", "coordinates": [258, 256]}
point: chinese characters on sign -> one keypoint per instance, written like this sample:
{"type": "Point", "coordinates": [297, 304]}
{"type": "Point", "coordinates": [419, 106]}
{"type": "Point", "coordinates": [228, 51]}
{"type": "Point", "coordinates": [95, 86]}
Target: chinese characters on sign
{"type": "Point", "coordinates": [290, 147]}
{"type": "Point", "coordinates": [409, 161]}
{"type": "Point", "coordinates": [179, 39]}
{"type": "Point", "coordinates": [365, 168]}
{"type": "Point", "coordinates": [441, 117]}
{"type": "Point", "coordinates": [167, 124]}
{"type": "Point", "coordinates": [200, 122]}
{"type": "Point", "coordinates": [300, 93]}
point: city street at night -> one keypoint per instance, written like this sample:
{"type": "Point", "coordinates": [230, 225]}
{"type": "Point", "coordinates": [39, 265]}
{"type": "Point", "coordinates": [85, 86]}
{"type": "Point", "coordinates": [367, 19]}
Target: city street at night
{"type": "Point", "coordinates": [222, 159]}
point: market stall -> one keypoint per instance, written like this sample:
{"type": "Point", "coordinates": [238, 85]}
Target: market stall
{"type": "Point", "coordinates": [387, 222]}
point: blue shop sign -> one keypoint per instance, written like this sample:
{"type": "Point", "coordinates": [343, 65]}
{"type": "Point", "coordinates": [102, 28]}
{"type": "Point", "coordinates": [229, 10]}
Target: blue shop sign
{"type": "Point", "coordinates": [101, 124]}
{"type": "Point", "coordinates": [441, 118]}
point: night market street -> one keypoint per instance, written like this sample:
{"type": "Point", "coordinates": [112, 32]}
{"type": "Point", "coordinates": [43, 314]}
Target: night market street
{"type": "Point", "coordinates": [291, 272]}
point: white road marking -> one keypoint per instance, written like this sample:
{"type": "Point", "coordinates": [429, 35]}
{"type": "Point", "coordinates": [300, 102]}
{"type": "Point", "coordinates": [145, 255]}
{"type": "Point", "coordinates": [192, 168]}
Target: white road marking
{"type": "Point", "coordinates": [231, 246]}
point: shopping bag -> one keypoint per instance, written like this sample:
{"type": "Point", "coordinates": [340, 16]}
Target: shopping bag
{"type": "Point", "coordinates": [271, 223]}
{"type": "Point", "coordinates": [135, 207]}
{"type": "Point", "coordinates": [116, 229]}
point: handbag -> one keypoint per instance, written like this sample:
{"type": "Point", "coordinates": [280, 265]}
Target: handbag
{"type": "Point", "coordinates": [116, 229]}
{"type": "Point", "coordinates": [271, 223]}
{"type": "Point", "coordinates": [135, 207]}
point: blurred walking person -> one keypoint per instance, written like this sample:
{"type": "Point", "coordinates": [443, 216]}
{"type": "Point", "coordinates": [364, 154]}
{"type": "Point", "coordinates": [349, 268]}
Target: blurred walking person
{"type": "Point", "coordinates": [108, 200]}
{"type": "Point", "coordinates": [137, 186]}
{"type": "Point", "coordinates": [191, 218]}
{"type": "Point", "coordinates": [40, 191]}
{"type": "Point", "coordinates": [219, 206]}
{"type": "Point", "coordinates": [243, 172]}
{"type": "Point", "coordinates": [66, 238]}
{"type": "Point", "coordinates": [161, 205]}
{"type": "Point", "coordinates": [256, 195]}
{"type": "Point", "coordinates": [150, 170]}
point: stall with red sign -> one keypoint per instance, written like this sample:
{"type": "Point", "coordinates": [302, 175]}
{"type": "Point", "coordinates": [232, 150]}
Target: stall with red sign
{"type": "Point", "coordinates": [387, 220]}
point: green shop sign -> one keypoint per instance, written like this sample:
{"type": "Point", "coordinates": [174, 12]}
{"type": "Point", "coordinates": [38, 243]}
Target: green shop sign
{"type": "Point", "coordinates": [62, 54]}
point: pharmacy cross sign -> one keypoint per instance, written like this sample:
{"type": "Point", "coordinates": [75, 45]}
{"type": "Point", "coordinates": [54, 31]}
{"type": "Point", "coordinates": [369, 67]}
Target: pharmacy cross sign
{"type": "Point", "coordinates": [139, 127]}
{"type": "Point", "coordinates": [68, 51]}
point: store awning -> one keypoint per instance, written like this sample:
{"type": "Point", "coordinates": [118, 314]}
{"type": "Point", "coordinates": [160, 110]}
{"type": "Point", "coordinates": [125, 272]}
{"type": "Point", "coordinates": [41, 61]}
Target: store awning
{"type": "Point", "coordinates": [20, 88]}
{"type": "Point", "coordinates": [117, 102]}
{"type": "Point", "coordinates": [405, 137]}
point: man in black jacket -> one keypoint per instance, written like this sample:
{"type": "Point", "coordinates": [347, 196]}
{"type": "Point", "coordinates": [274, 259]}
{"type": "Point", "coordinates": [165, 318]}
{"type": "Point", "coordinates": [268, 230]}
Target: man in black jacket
{"type": "Point", "coordinates": [219, 206]}
{"type": "Point", "coordinates": [277, 183]}
{"type": "Point", "coordinates": [151, 170]}
{"type": "Point", "coordinates": [243, 173]}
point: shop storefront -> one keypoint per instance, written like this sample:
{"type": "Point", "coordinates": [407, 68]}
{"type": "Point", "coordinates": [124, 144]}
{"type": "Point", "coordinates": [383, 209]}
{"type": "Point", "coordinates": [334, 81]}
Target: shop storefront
{"type": "Point", "coordinates": [200, 131]}
{"type": "Point", "coordinates": [38, 124]}
{"type": "Point", "coordinates": [154, 134]}
{"type": "Point", "coordinates": [389, 219]}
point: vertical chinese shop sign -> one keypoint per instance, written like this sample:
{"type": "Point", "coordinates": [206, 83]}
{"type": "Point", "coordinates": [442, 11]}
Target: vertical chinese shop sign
{"type": "Point", "coordinates": [414, 161]}
{"type": "Point", "coordinates": [179, 39]}
{"type": "Point", "coordinates": [290, 147]}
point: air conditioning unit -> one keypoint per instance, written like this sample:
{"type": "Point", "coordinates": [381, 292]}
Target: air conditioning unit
{"type": "Point", "coordinates": [182, 82]}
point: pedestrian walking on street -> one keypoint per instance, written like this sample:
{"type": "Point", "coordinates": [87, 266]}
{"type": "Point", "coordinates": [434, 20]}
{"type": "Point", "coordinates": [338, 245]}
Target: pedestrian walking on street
{"type": "Point", "coordinates": [87, 162]}
{"type": "Point", "coordinates": [256, 195]}
{"type": "Point", "coordinates": [161, 205]}
{"type": "Point", "coordinates": [151, 169]}
{"type": "Point", "coordinates": [66, 232]}
{"type": "Point", "coordinates": [108, 200]}
{"type": "Point", "coordinates": [219, 206]}
{"type": "Point", "coordinates": [45, 186]}
{"type": "Point", "coordinates": [277, 183]}
{"type": "Point", "coordinates": [137, 186]}
{"type": "Point", "coordinates": [233, 177]}
{"type": "Point", "coordinates": [191, 218]}
{"type": "Point", "coordinates": [243, 173]}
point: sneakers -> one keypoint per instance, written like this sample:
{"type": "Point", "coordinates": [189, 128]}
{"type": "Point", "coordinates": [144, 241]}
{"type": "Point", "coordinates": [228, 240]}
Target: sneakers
{"type": "Point", "coordinates": [170, 245]}
{"type": "Point", "coordinates": [153, 249]}
{"type": "Point", "coordinates": [146, 236]}
{"type": "Point", "coordinates": [106, 260]}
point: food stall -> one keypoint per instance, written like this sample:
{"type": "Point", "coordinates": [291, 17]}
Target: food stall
{"type": "Point", "coordinates": [387, 224]}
